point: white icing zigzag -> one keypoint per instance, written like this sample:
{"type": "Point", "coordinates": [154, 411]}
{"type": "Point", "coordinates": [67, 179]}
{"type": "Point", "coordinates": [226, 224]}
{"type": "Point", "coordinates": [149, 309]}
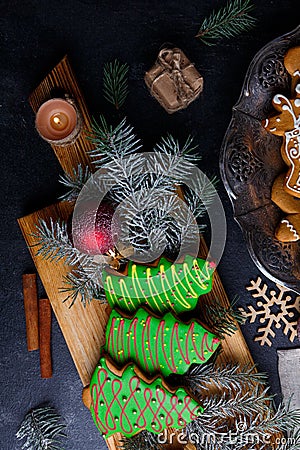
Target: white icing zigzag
{"type": "Point", "coordinates": [292, 229]}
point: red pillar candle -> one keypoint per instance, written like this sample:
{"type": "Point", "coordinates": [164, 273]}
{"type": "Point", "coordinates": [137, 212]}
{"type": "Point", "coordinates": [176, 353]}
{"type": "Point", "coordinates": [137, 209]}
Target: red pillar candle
{"type": "Point", "coordinates": [58, 122]}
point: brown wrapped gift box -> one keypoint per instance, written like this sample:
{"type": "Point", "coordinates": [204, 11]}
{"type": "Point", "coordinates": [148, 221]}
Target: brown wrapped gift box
{"type": "Point", "coordinates": [173, 80]}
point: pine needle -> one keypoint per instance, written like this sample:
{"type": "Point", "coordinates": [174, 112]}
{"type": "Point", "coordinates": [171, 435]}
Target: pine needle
{"type": "Point", "coordinates": [115, 83]}
{"type": "Point", "coordinates": [254, 402]}
{"type": "Point", "coordinates": [41, 428]}
{"type": "Point", "coordinates": [221, 319]}
{"type": "Point", "coordinates": [74, 182]}
{"type": "Point", "coordinates": [55, 245]}
{"type": "Point", "coordinates": [112, 143]}
{"type": "Point", "coordinates": [142, 441]}
{"type": "Point", "coordinates": [201, 378]}
{"type": "Point", "coordinates": [227, 22]}
{"type": "Point", "coordinates": [84, 283]}
{"type": "Point", "coordinates": [236, 424]}
{"type": "Point", "coordinates": [144, 187]}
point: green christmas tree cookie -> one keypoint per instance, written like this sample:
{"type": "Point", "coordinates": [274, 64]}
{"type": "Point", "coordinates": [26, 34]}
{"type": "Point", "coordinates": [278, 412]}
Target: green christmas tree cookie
{"type": "Point", "coordinates": [164, 345]}
{"type": "Point", "coordinates": [163, 288]}
{"type": "Point", "coordinates": [124, 402]}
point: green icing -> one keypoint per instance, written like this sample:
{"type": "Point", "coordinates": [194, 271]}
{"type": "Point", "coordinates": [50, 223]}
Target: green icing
{"type": "Point", "coordinates": [164, 345]}
{"type": "Point", "coordinates": [125, 403]}
{"type": "Point", "coordinates": [166, 287]}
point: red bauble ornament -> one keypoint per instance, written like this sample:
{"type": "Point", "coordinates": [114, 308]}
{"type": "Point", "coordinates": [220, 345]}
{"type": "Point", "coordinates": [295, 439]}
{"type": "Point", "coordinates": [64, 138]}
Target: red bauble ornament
{"type": "Point", "coordinates": [93, 231]}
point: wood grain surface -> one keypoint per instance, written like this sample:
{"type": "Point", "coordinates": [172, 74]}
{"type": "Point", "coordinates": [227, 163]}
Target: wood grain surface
{"type": "Point", "coordinates": [83, 328]}
{"type": "Point", "coordinates": [59, 82]}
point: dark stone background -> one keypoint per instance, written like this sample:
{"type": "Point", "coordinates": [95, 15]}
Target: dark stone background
{"type": "Point", "coordinates": [34, 37]}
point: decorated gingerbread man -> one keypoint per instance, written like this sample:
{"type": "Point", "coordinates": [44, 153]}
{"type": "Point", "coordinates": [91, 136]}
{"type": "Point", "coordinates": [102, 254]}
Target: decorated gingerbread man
{"type": "Point", "coordinates": [286, 123]}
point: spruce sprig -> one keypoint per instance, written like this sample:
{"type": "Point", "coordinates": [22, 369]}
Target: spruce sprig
{"type": "Point", "coordinates": [84, 280]}
{"type": "Point", "coordinates": [223, 320]}
{"type": "Point", "coordinates": [283, 420]}
{"type": "Point", "coordinates": [42, 428]}
{"type": "Point", "coordinates": [145, 440]}
{"type": "Point", "coordinates": [145, 186]}
{"type": "Point", "coordinates": [254, 402]}
{"type": "Point", "coordinates": [84, 283]}
{"type": "Point", "coordinates": [112, 142]}
{"type": "Point", "coordinates": [203, 377]}
{"type": "Point", "coordinates": [233, 424]}
{"type": "Point", "coordinates": [115, 82]}
{"type": "Point", "coordinates": [74, 182]}
{"type": "Point", "coordinates": [54, 243]}
{"type": "Point", "coordinates": [229, 21]}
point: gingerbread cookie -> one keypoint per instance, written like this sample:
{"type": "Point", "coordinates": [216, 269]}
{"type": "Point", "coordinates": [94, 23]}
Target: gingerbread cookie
{"type": "Point", "coordinates": [166, 345]}
{"type": "Point", "coordinates": [286, 202]}
{"type": "Point", "coordinates": [292, 64]}
{"type": "Point", "coordinates": [166, 287]}
{"type": "Point", "coordinates": [287, 125]}
{"type": "Point", "coordinates": [289, 229]}
{"type": "Point", "coordinates": [126, 402]}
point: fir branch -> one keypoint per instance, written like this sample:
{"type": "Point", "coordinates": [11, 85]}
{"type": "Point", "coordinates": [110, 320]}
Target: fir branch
{"type": "Point", "coordinates": [204, 377]}
{"type": "Point", "coordinates": [128, 176]}
{"type": "Point", "coordinates": [254, 402]}
{"type": "Point", "coordinates": [173, 161]}
{"type": "Point", "coordinates": [283, 420]}
{"type": "Point", "coordinates": [292, 442]}
{"type": "Point", "coordinates": [170, 146]}
{"type": "Point", "coordinates": [54, 243]}
{"type": "Point", "coordinates": [223, 320]}
{"type": "Point", "coordinates": [234, 426]}
{"type": "Point", "coordinates": [145, 440]}
{"type": "Point", "coordinates": [201, 193]}
{"type": "Point", "coordinates": [84, 283]}
{"type": "Point", "coordinates": [145, 186]}
{"type": "Point", "coordinates": [227, 22]}
{"type": "Point", "coordinates": [149, 218]}
{"type": "Point", "coordinates": [222, 413]}
{"type": "Point", "coordinates": [262, 428]}
{"type": "Point", "coordinates": [42, 428]}
{"type": "Point", "coordinates": [74, 182]}
{"type": "Point", "coordinates": [112, 143]}
{"type": "Point", "coordinates": [115, 83]}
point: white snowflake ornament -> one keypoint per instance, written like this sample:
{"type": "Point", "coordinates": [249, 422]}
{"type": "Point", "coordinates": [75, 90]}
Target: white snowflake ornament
{"type": "Point", "coordinates": [275, 309]}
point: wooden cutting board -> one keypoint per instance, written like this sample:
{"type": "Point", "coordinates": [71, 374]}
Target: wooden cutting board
{"type": "Point", "coordinates": [83, 328]}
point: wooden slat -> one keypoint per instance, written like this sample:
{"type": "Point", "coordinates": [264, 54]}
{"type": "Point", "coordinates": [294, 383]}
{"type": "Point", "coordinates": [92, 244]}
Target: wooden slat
{"type": "Point", "coordinates": [234, 347]}
{"type": "Point", "coordinates": [61, 80]}
{"type": "Point", "coordinates": [83, 329]}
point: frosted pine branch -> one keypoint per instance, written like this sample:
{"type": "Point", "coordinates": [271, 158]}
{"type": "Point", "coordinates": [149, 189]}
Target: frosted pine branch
{"type": "Point", "coordinates": [112, 142]}
{"type": "Point", "coordinates": [42, 428]}
{"type": "Point", "coordinates": [230, 377]}
{"type": "Point", "coordinates": [54, 243]}
{"type": "Point", "coordinates": [85, 284]}
{"type": "Point", "coordinates": [74, 182]}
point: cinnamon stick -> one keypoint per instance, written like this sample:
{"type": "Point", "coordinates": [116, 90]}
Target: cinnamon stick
{"type": "Point", "coordinates": [45, 338]}
{"type": "Point", "coordinates": [31, 311]}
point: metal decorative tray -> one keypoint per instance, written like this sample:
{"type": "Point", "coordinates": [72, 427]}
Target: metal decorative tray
{"type": "Point", "coordinates": [250, 160]}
